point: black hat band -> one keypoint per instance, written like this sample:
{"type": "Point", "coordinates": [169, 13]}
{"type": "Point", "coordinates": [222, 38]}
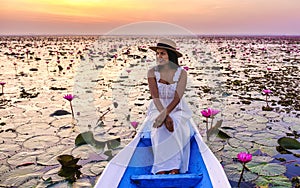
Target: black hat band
{"type": "Point", "coordinates": [165, 45]}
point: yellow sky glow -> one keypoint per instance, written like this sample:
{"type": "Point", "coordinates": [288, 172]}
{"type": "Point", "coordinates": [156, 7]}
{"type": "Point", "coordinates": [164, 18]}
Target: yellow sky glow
{"type": "Point", "coordinates": [212, 15]}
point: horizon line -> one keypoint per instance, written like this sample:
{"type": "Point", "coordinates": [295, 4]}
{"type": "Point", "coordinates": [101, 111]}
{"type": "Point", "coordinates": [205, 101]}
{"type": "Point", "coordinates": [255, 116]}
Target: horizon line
{"type": "Point", "coordinates": [153, 35]}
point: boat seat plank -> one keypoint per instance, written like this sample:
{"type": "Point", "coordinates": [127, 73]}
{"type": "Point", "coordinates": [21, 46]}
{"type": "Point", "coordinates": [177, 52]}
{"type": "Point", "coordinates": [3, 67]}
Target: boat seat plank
{"type": "Point", "coordinates": [167, 180]}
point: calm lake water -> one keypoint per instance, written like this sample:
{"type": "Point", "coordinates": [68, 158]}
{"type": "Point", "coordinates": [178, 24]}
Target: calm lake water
{"type": "Point", "coordinates": [107, 75]}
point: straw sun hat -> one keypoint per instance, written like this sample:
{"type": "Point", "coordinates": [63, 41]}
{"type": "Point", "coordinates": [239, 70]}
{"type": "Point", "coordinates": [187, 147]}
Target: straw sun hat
{"type": "Point", "coordinates": [166, 44]}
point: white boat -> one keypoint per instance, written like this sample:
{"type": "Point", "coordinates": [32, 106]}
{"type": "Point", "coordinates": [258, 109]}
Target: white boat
{"type": "Point", "coordinates": [131, 167]}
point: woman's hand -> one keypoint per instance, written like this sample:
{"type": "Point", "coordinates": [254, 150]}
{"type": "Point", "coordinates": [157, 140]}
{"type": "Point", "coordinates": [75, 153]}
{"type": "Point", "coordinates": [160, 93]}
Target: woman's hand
{"type": "Point", "coordinates": [160, 119]}
{"type": "Point", "coordinates": [169, 123]}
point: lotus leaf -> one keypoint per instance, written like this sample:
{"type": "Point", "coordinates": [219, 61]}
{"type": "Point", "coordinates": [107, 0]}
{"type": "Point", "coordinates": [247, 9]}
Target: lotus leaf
{"type": "Point", "coordinates": [276, 181]}
{"type": "Point", "coordinates": [267, 169]}
{"type": "Point", "coordinates": [233, 172]}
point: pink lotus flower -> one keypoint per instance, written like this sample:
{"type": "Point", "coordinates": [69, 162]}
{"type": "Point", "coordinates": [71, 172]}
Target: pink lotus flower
{"type": "Point", "coordinates": [267, 91]}
{"type": "Point", "coordinates": [269, 68]}
{"type": "Point", "coordinates": [244, 157]}
{"type": "Point", "coordinates": [205, 113]}
{"type": "Point", "coordinates": [186, 68]}
{"type": "Point", "coordinates": [128, 70]}
{"type": "Point", "coordinates": [214, 111]}
{"type": "Point", "coordinates": [209, 112]}
{"type": "Point", "coordinates": [134, 124]}
{"type": "Point", "coordinates": [69, 97]}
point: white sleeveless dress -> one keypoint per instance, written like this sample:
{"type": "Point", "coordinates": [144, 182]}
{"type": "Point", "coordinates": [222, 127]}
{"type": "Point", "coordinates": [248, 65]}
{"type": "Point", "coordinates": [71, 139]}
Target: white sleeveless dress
{"type": "Point", "coordinates": [170, 149]}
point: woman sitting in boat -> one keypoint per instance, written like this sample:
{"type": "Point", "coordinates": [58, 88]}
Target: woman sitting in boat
{"type": "Point", "coordinates": [170, 133]}
{"type": "Point", "coordinates": [168, 141]}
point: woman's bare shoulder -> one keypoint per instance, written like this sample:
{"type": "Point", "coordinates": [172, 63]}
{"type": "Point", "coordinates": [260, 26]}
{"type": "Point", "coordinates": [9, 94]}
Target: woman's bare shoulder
{"type": "Point", "coordinates": [151, 72]}
{"type": "Point", "coordinates": [183, 74]}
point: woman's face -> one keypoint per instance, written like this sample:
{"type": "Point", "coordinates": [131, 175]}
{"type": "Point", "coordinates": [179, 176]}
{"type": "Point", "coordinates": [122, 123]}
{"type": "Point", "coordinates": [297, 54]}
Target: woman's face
{"type": "Point", "coordinates": [162, 57]}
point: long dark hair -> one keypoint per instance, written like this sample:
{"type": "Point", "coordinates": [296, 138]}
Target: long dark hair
{"type": "Point", "coordinates": [173, 59]}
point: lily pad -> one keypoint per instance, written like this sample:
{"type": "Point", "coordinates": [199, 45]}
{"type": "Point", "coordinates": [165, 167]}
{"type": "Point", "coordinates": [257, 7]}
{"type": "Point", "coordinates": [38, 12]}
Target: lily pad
{"type": "Point", "coordinates": [277, 129]}
{"type": "Point", "coordinates": [222, 134]}
{"type": "Point", "coordinates": [271, 151]}
{"type": "Point", "coordinates": [49, 156]}
{"type": "Point", "coordinates": [247, 117]}
{"type": "Point", "coordinates": [53, 175]}
{"type": "Point", "coordinates": [233, 172]}
{"type": "Point", "coordinates": [10, 147]}
{"type": "Point", "coordinates": [70, 173]}
{"type": "Point", "coordinates": [84, 138]}
{"type": "Point", "coordinates": [276, 181]}
{"type": "Point", "coordinates": [41, 142]}
{"type": "Point", "coordinates": [272, 114]}
{"type": "Point", "coordinates": [261, 159]}
{"type": "Point", "coordinates": [228, 130]}
{"type": "Point", "coordinates": [216, 146]}
{"type": "Point", "coordinates": [97, 168]}
{"type": "Point", "coordinates": [260, 119]}
{"type": "Point", "coordinates": [244, 136]}
{"type": "Point", "coordinates": [295, 127]}
{"type": "Point", "coordinates": [267, 142]}
{"type": "Point", "coordinates": [265, 139]}
{"type": "Point", "coordinates": [85, 151]}
{"type": "Point", "coordinates": [267, 169]}
{"type": "Point", "coordinates": [68, 160]}
{"type": "Point", "coordinates": [254, 126]}
{"type": "Point", "coordinates": [230, 152]}
{"type": "Point", "coordinates": [23, 158]}
{"type": "Point", "coordinates": [263, 135]}
{"type": "Point", "coordinates": [59, 113]}
{"type": "Point", "coordinates": [31, 183]}
{"type": "Point", "coordinates": [3, 156]}
{"type": "Point", "coordinates": [291, 120]}
{"type": "Point", "coordinates": [18, 176]}
{"type": "Point", "coordinates": [61, 184]}
{"type": "Point", "coordinates": [62, 122]}
{"type": "Point", "coordinates": [3, 169]}
{"type": "Point", "coordinates": [88, 138]}
{"type": "Point", "coordinates": [33, 128]}
{"type": "Point", "coordinates": [86, 169]}
{"type": "Point", "coordinates": [113, 143]}
{"type": "Point", "coordinates": [289, 143]}
{"type": "Point", "coordinates": [8, 134]}
{"type": "Point", "coordinates": [82, 182]}
{"type": "Point", "coordinates": [239, 143]}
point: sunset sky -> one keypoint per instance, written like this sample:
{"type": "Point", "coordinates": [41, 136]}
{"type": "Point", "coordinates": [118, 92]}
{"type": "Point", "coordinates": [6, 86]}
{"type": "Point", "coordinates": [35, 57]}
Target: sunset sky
{"type": "Point", "coordinates": [254, 17]}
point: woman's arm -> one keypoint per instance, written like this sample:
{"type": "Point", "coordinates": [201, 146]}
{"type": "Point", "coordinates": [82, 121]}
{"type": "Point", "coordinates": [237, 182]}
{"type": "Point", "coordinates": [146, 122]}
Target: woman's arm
{"type": "Point", "coordinates": [181, 85]}
{"type": "Point", "coordinates": [155, 97]}
{"type": "Point", "coordinates": [154, 90]}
